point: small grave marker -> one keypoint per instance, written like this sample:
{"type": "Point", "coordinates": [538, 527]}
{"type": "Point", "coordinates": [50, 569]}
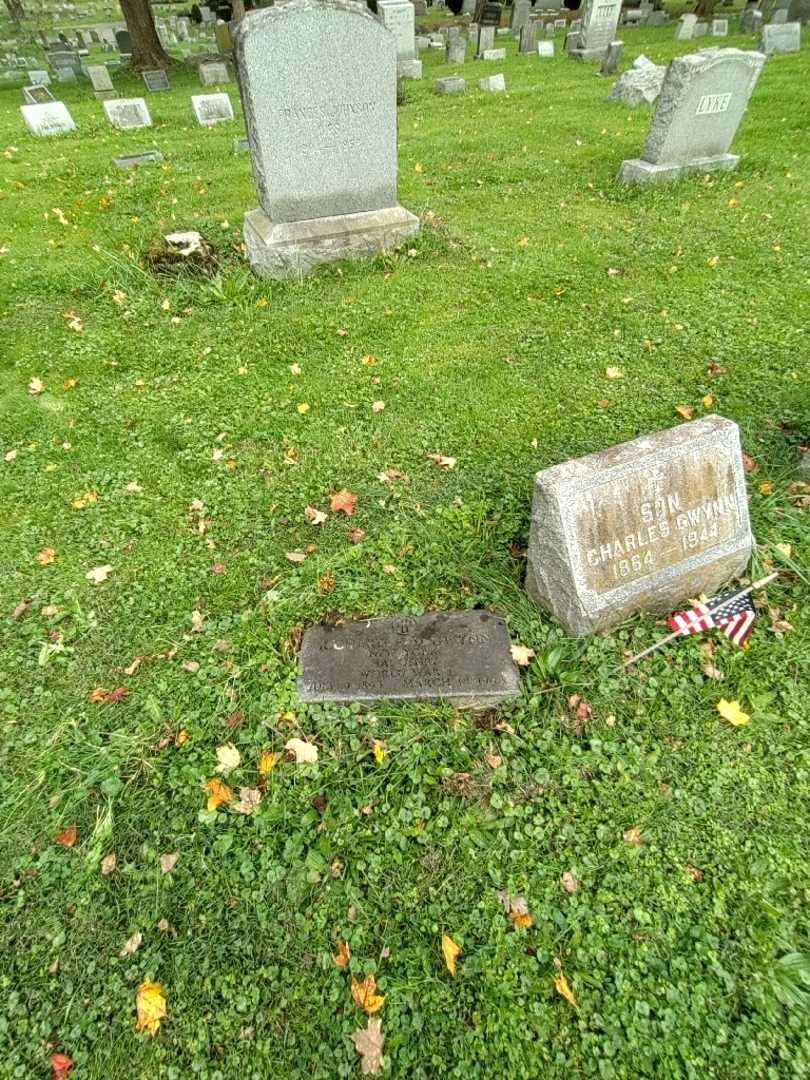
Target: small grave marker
{"type": "Point", "coordinates": [462, 657]}
{"type": "Point", "coordinates": [39, 78]}
{"type": "Point", "coordinates": [450, 85]}
{"type": "Point", "coordinates": [211, 109]}
{"type": "Point", "coordinates": [48, 118]}
{"type": "Point", "coordinates": [127, 113]}
{"type": "Point", "coordinates": [127, 161]}
{"type": "Point", "coordinates": [37, 95]}
{"type": "Point", "coordinates": [492, 83]}
{"type": "Point", "coordinates": [156, 80]}
{"type": "Point", "coordinates": [640, 526]}
{"type": "Point", "coordinates": [780, 39]}
{"type": "Point", "coordinates": [214, 73]}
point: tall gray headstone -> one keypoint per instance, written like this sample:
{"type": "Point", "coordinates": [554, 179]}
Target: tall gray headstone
{"type": "Point", "coordinates": [750, 21]}
{"type": "Point", "coordinates": [486, 40]}
{"type": "Point", "coordinates": [528, 38]}
{"type": "Point", "coordinates": [639, 527]}
{"type": "Point", "coordinates": [397, 16]}
{"type": "Point", "coordinates": [686, 27]}
{"type": "Point", "coordinates": [599, 22]}
{"type": "Point", "coordinates": [780, 39]}
{"type": "Point", "coordinates": [521, 9]}
{"type": "Point", "coordinates": [456, 49]}
{"type": "Point", "coordinates": [318, 86]}
{"type": "Point", "coordinates": [702, 101]}
{"type": "Point", "coordinates": [613, 57]}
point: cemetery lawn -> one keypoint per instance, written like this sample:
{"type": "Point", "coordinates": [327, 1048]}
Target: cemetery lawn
{"type": "Point", "coordinates": [180, 426]}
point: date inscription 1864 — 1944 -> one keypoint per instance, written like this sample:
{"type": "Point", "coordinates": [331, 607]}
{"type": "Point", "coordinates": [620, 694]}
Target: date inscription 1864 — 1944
{"type": "Point", "coordinates": [462, 657]}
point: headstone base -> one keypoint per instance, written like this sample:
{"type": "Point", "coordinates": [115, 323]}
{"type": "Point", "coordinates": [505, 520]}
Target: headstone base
{"type": "Point", "coordinates": [588, 54]}
{"type": "Point", "coordinates": [298, 247]}
{"type": "Point", "coordinates": [636, 171]}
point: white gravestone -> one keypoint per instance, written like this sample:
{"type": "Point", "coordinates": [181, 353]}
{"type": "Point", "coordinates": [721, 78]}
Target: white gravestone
{"type": "Point", "coordinates": [780, 39]}
{"type": "Point", "coordinates": [39, 78]}
{"type": "Point", "coordinates": [214, 73]}
{"type": "Point", "coordinates": [686, 28]}
{"type": "Point", "coordinates": [318, 85]}
{"type": "Point", "coordinates": [397, 16]}
{"type": "Point", "coordinates": [211, 108]}
{"type": "Point", "coordinates": [50, 118]}
{"type": "Point", "coordinates": [492, 83]}
{"type": "Point", "coordinates": [545, 50]}
{"type": "Point", "coordinates": [100, 80]}
{"type": "Point", "coordinates": [599, 24]}
{"type": "Point", "coordinates": [640, 526]}
{"type": "Point", "coordinates": [128, 113]}
{"type": "Point", "coordinates": [702, 101]}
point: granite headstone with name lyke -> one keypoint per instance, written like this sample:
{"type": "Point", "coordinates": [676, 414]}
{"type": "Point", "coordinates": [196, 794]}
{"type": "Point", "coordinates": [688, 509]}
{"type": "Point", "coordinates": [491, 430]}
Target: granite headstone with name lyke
{"type": "Point", "coordinates": [318, 80]}
{"type": "Point", "coordinates": [701, 104]}
{"type": "Point", "coordinates": [639, 527]}
{"type": "Point", "coordinates": [462, 657]}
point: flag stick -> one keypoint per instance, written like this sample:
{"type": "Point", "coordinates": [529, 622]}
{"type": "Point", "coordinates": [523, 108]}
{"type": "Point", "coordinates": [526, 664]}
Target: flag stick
{"type": "Point", "coordinates": [671, 637]}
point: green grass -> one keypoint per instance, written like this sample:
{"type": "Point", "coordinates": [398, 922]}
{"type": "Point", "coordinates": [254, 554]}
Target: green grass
{"type": "Point", "coordinates": [488, 350]}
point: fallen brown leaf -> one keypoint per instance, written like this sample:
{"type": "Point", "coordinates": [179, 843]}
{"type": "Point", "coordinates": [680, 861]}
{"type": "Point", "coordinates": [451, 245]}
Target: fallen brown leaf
{"type": "Point", "coordinates": [368, 1042]}
{"type": "Point", "coordinates": [67, 837]}
{"type": "Point", "coordinates": [343, 501]}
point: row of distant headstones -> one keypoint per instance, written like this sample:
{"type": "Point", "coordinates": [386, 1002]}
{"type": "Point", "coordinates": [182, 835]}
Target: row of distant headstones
{"type": "Point", "coordinates": [53, 117]}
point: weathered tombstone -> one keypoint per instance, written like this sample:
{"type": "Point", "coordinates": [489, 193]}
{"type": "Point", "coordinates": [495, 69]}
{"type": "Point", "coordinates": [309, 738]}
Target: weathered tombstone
{"type": "Point", "coordinates": [551, 32]}
{"type": "Point", "coordinates": [223, 38]}
{"type": "Point", "coordinates": [719, 27]}
{"type": "Point", "coordinates": [491, 15]}
{"type": "Point", "coordinates": [318, 86]}
{"type": "Point", "coordinates": [492, 83]}
{"type": "Point", "coordinates": [599, 22]}
{"type": "Point", "coordinates": [211, 109]}
{"type": "Point", "coordinates": [397, 16]}
{"type": "Point", "coordinates": [422, 42]}
{"type": "Point", "coordinates": [613, 57]}
{"type": "Point", "coordinates": [409, 69]}
{"type": "Point", "coordinates": [486, 40]}
{"type": "Point", "coordinates": [100, 81]}
{"type": "Point", "coordinates": [420, 7]}
{"type": "Point", "coordinates": [686, 28]}
{"type": "Point", "coordinates": [214, 73]}
{"type": "Point", "coordinates": [545, 50]}
{"type": "Point", "coordinates": [640, 526]}
{"type": "Point", "coordinates": [700, 29]}
{"type": "Point", "coordinates": [450, 85]}
{"type": "Point", "coordinates": [779, 17]}
{"type": "Point", "coordinates": [183, 28]}
{"type": "Point", "coordinates": [156, 80]}
{"type": "Point", "coordinates": [65, 60]}
{"type": "Point", "coordinates": [521, 9]}
{"type": "Point", "coordinates": [780, 39]}
{"type": "Point", "coordinates": [65, 75]}
{"type": "Point", "coordinates": [124, 42]}
{"type": "Point", "coordinates": [493, 54]}
{"type": "Point", "coordinates": [127, 161]}
{"type": "Point", "coordinates": [699, 110]}
{"type": "Point", "coordinates": [462, 657]}
{"type": "Point", "coordinates": [37, 95]}
{"type": "Point", "coordinates": [528, 38]}
{"type": "Point", "coordinates": [642, 83]}
{"type": "Point", "coordinates": [127, 113]}
{"type": "Point", "coordinates": [750, 21]}
{"type": "Point", "coordinates": [39, 78]}
{"type": "Point", "coordinates": [456, 50]}
{"type": "Point", "coordinates": [657, 18]}
{"type": "Point", "coordinates": [49, 118]}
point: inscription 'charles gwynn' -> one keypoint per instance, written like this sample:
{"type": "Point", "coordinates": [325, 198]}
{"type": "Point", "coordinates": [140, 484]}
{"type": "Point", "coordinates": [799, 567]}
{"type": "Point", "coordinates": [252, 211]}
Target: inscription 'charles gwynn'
{"type": "Point", "coordinates": [639, 527]}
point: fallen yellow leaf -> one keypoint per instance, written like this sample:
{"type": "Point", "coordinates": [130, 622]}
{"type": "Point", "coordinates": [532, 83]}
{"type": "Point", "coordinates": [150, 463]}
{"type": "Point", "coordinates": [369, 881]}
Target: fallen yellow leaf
{"type": "Point", "coordinates": [613, 373]}
{"type": "Point", "coordinates": [522, 920]}
{"type": "Point", "coordinates": [379, 753]}
{"type": "Point", "coordinates": [303, 408]}
{"type": "Point", "coordinates": [522, 655]}
{"type": "Point", "coordinates": [562, 987]}
{"type": "Point", "coordinates": [708, 401]}
{"type": "Point", "coordinates": [731, 711]}
{"type": "Point", "coordinates": [686, 411]}
{"type": "Point", "coordinates": [267, 762]}
{"type": "Point", "coordinates": [46, 556]}
{"type": "Point", "coordinates": [365, 996]}
{"type": "Point", "coordinates": [150, 1005]}
{"type": "Point", "coordinates": [451, 952]}
{"type": "Point", "coordinates": [305, 753]}
{"type": "Point", "coordinates": [228, 758]}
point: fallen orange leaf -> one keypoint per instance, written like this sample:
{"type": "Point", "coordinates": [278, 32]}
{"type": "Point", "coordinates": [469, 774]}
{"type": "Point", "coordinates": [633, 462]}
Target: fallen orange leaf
{"type": "Point", "coordinates": [686, 411]}
{"type": "Point", "coordinates": [365, 996]}
{"type": "Point", "coordinates": [67, 837]}
{"type": "Point", "coordinates": [343, 954]}
{"type": "Point", "coordinates": [219, 793]}
{"type": "Point", "coordinates": [345, 501]}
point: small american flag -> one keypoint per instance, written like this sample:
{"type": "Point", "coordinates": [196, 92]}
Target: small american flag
{"type": "Point", "coordinates": [733, 613]}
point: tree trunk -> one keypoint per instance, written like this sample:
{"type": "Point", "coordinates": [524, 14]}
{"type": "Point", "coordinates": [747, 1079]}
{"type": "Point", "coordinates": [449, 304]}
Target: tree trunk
{"type": "Point", "coordinates": [15, 10]}
{"type": "Point", "coordinates": [147, 52]}
{"type": "Point", "coordinates": [237, 11]}
{"type": "Point", "coordinates": [479, 11]}
{"type": "Point", "coordinates": [705, 9]}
